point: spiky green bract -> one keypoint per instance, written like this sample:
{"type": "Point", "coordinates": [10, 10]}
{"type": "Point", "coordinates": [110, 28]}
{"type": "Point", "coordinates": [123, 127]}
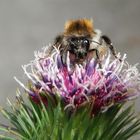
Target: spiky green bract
{"type": "Point", "coordinates": [31, 121]}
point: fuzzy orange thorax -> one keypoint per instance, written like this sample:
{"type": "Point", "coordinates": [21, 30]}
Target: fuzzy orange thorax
{"type": "Point", "coordinates": [79, 27]}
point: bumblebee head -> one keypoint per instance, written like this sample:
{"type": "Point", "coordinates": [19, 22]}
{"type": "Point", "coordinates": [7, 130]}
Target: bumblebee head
{"type": "Point", "coordinates": [78, 47]}
{"type": "Point", "coordinates": [78, 34]}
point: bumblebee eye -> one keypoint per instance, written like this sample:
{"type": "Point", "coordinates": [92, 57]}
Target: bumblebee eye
{"type": "Point", "coordinates": [85, 43]}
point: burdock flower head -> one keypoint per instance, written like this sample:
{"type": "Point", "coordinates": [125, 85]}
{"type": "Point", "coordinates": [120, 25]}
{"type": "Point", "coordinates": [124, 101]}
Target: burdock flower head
{"type": "Point", "coordinates": [115, 83]}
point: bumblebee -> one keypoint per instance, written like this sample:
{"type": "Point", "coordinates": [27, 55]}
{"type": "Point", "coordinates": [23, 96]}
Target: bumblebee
{"type": "Point", "coordinates": [82, 42]}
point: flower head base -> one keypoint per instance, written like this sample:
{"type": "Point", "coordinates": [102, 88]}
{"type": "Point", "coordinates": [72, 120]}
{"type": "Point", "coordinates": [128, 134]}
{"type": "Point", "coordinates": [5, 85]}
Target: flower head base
{"type": "Point", "coordinates": [116, 82]}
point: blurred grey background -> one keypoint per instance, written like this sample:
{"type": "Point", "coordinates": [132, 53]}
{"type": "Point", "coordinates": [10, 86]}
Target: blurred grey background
{"type": "Point", "coordinates": [28, 25]}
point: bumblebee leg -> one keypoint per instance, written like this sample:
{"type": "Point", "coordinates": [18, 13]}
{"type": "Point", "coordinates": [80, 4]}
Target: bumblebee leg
{"type": "Point", "coordinates": [58, 39]}
{"type": "Point", "coordinates": [111, 47]}
{"type": "Point", "coordinates": [98, 58]}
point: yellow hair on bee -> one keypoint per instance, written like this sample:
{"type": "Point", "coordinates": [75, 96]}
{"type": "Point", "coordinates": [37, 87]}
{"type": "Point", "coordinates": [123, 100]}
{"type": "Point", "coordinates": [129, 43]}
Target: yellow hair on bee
{"type": "Point", "coordinates": [79, 27]}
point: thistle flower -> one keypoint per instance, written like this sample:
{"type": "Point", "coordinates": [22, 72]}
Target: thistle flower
{"type": "Point", "coordinates": [115, 83]}
{"type": "Point", "coordinates": [74, 101]}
